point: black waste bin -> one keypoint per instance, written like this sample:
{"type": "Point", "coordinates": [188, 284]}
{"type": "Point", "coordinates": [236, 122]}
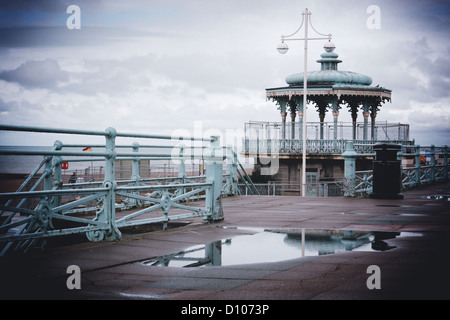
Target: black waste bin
{"type": "Point", "coordinates": [386, 172]}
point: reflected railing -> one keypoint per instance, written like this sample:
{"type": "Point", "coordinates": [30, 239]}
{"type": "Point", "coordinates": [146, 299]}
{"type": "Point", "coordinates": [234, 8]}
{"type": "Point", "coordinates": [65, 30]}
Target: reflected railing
{"type": "Point", "coordinates": [287, 244]}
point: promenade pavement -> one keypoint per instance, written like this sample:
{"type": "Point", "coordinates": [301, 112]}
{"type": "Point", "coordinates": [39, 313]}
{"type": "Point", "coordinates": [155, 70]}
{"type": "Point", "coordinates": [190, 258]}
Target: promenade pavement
{"type": "Point", "coordinates": [416, 266]}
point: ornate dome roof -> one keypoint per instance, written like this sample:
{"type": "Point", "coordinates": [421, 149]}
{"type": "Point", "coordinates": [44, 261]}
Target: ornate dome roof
{"type": "Point", "coordinates": [329, 73]}
{"type": "Point", "coordinates": [330, 77]}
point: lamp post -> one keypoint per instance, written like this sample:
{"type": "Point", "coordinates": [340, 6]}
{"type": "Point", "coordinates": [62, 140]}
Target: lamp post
{"type": "Point", "coordinates": [283, 48]}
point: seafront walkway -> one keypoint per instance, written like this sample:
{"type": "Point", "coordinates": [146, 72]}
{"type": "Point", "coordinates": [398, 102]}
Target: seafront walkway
{"type": "Point", "coordinates": [415, 266]}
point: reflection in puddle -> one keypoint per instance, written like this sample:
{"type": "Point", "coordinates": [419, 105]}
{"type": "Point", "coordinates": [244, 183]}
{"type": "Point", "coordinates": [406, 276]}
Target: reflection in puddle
{"type": "Point", "coordinates": [444, 197]}
{"type": "Point", "coordinates": [276, 245]}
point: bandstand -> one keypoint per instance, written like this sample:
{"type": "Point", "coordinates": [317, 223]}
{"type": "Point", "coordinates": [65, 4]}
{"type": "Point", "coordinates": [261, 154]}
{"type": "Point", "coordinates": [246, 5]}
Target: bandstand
{"type": "Point", "coordinates": [329, 91]}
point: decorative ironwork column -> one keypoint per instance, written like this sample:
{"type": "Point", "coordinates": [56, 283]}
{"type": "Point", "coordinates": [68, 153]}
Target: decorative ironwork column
{"type": "Point", "coordinates": [366, 124]}
{"type": "Point", "coordinates": [293, 125]}
{"type": "Point", "coordinates": [300, 118]}
{"type": "Point", "coordinates": [354, 119]}
{"type": "Point", "coordinates": [300, 124]}
{"type": "Point", "coordinates": [283, 130]}
{"type": "Point", "coordinates": [322, 119]}
{"type": "Point", "coordinates": [366, 107]}
{"type": "Point", "coordinates": [335, 124]}
{"type": "Point", "coordinates": [335, 110]}
{"type": "Point", "coordinates": [373, 116]}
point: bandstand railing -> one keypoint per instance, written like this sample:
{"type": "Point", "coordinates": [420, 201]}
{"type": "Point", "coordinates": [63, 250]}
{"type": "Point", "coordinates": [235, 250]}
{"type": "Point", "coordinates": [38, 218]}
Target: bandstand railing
{"type": "Point", "coordinates": [286, 188]}
{"type": "Point", "coordinates": [320, 146]}
{"type": "Point", "coordinates": [63, 208]}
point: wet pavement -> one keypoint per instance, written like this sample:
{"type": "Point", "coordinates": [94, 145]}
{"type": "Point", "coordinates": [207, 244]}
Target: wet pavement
{"type": "Point", "coordinates": [411, 254]}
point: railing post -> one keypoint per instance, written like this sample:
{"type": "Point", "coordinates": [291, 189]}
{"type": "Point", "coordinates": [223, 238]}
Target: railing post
{"type": "Point", "coordinates": [229, 161]}
{"type": "Point", "coordinates": [234, 174]}
{"type": "Point", "coordinates": [399, 158]}
{"type": "Point", "coordinates": [445, 163]}
{"type": "Point", "coordinates": [108, 213]}
{"type": "Point", "coordinates": [182, 169]}
{"type": "Point", "coordinates": [57, 179]}
{"type": "Point", "coordinates": [231, 172]}
{"type": "Point", "coordinates": [48, 173]}
{"type": "Point", "coordinates": [214, 159]}
{"type": "Point", "coordinates": [349, 170]}
{"type": "Point", "coordinates": [135, 172]}
{"type": "Point", "coordinates": [417, 165]}
{"type": "Point", "coordinates": [433, 164]}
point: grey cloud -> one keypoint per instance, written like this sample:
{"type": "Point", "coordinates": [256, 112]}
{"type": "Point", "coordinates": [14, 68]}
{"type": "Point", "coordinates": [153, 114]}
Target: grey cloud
{"type": "Point", "coordinates": [60, 36]}
{"type": "Point", "coordinates": [4, 106]}
{"type": "Point", "coordinates": [216, 72]}
{"type": "Point", "coordinates": [436, 134]}
{"type": "Point", "coordinates": [208, 72]}
{"type": "Point", "coordinates": [432, 16]}
{"type": "Point", "coordinates": [413, 69]}
{"type": "Point", "coordinates": [12, 37]}
{"type": "Point", "coordinates": [40, 12]}
{"type": "Point", "coordinates": [33, 6]}
{"type": "Point", "coordinates": [44, 74]}
{"type": "Point", "coordinates": [434, 70]}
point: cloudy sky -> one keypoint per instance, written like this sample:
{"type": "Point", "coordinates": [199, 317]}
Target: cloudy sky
{"type": "Point", "coordinates": [201, 67]}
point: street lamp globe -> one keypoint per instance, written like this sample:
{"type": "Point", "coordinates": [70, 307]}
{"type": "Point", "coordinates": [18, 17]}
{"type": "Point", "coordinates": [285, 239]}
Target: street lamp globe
{"type": "Point", "coordinates": [329, 46]}
{"type": "Point", "coordinates": [282, 48]}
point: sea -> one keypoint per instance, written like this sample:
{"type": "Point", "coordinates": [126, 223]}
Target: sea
{"type": "Point", "coordinates": [20, 163]}
{"type": "Point", "coordinates": [25, 164]}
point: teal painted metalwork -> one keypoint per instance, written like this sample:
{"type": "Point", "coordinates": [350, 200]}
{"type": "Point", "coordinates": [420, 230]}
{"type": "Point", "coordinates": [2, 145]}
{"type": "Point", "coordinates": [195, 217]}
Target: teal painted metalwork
{"type": "Point", "coordinates": [349, 170]}
{"type": "Point", "coordinates": [430, 166]}
{"type": "Point", "coordinates": [59, 204]}
{"type": "Point", "coordinates": [418, 172]}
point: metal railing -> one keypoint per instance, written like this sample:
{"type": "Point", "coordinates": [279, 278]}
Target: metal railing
{"type": "Point", "coordinates": [147, 200]}
{"type": "Point", "coordinates": [322, 147]}
{"type": "Point", "coordinates": [363, 182]}
{"type": "Point", "coordinates": [313, 189]}
{"type": "Point", "coordinates": [424, 165]}
{"type": "Point", "coordinates": [382, 131]}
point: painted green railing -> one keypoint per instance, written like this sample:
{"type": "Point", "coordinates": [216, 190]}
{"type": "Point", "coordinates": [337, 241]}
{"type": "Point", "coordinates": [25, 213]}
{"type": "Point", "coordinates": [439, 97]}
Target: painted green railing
{"type": "Point", "coordinates": [426, 165]}
{"type": "Point", "coordinates": [62, 208]}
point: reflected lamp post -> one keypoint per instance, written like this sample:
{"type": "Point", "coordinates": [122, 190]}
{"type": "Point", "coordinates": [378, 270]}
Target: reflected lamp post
{"type": "Point", "coordinates": [283, 48]}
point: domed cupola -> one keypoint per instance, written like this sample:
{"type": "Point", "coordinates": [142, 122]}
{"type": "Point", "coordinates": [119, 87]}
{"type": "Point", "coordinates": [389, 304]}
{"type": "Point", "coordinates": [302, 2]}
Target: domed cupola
{"type": "Point", "coordinates": [328, 73]}
{"type": "Point", "coordinates": [329, 90]}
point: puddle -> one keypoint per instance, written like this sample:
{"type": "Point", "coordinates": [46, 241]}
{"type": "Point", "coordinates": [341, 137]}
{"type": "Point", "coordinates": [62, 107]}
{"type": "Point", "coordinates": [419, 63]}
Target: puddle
{"type": "Point", "coordinates": [393, 205]}
{"type": "Point", "coordinates": [444, 197]}
{"type": "Point", "coordinates": [272, 245]}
